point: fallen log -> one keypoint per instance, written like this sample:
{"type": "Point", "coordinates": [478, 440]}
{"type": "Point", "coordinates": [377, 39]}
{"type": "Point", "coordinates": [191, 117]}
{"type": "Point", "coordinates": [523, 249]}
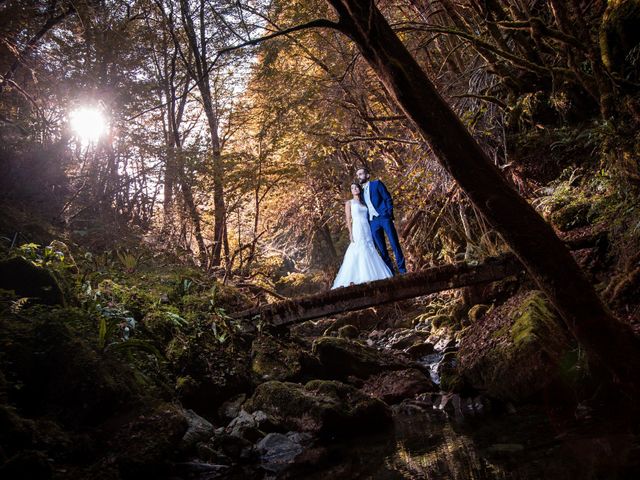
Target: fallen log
{"type": "Point", "coordinates": [401, 287]}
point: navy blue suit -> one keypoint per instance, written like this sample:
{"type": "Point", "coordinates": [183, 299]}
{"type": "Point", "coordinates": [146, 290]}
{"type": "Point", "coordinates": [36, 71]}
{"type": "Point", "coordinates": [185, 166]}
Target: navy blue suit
{"type": "Point", "coordinates": [383, 223]}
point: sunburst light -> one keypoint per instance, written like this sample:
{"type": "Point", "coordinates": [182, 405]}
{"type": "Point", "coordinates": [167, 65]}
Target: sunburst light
{"type": "Point", "coordinates": [88, 123]}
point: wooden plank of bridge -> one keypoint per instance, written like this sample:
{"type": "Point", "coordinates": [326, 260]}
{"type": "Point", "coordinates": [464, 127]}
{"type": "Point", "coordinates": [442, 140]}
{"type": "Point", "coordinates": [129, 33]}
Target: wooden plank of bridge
{"type": "Point", "coordinates": [401, 287]}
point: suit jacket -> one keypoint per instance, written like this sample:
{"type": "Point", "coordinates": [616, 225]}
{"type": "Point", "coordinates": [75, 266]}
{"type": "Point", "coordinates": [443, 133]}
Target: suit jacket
{"type": "Point", "coordinates": [380, 198]}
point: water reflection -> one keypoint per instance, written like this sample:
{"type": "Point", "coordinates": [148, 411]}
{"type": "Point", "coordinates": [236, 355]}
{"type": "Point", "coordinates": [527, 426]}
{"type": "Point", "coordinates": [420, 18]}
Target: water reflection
{"type": "Point", "coordinates": [528, 445]}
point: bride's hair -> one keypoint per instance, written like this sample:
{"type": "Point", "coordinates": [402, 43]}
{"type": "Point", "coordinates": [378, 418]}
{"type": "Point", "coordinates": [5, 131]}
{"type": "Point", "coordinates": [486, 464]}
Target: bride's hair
{"type": "Point", "coordinates": [360, 191]}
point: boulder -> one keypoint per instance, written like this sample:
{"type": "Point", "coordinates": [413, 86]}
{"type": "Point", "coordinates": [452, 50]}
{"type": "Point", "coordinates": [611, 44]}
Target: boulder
{"type": "Point", "coordinates": [274, 359]}
{"type": "Point", "coordinates": [406, 338]}
{"type": "Point", "coordinates": [325, 407]}
{"type": "Point", "coordinates": [278, 451]}
{"type": "Point", "coordinates": [516, 350]}
{"type": "Point", "coordinates": [348, 331]}
{"type": "Point", "coordinates": [396, 385]}
{"type": "Point", "coordinates": [477, 311]}
{"type": "Point", "coordinates": [419, 349]}
{"type": "Point", "coordinates": [29, 280]}
{"type": "Point", "coordinates": [366, 319]}
{"type": "Point", "coordinates": [198, 429]}
{"type": "Point", "coordinates": [226, 449]}
{"type": "Point", "coordinates": [231, 408]}
{"type": "Point", "coordinates": [342, 358]}
{"type": "Point", "coordinates": [145, 446]}
{"type": "Point", "coordinates": [248, 425]}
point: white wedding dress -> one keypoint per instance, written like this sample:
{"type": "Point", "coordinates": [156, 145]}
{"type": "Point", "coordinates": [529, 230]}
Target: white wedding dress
{"type": "Point", "coordinates": [362, 262]}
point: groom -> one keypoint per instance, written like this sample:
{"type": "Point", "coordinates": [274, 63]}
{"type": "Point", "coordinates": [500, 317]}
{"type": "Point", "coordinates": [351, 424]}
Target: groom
{"type": "Point", "coordinates": [380, 205]}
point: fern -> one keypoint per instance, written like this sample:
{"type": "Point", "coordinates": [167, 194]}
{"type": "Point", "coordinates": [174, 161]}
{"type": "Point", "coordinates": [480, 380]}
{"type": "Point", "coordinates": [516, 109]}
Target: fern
{"type": "Point", "coordinates": [134, 345]}
{"type": "Point", "coordinates": [17, 305]}
{"type": "Point", "coordinates": [128, 260]}
{"type": "Point", "coordinates": [176, 319]}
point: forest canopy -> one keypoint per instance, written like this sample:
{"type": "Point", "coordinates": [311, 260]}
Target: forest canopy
{"type": "Point", "coordinates": [146, 114]}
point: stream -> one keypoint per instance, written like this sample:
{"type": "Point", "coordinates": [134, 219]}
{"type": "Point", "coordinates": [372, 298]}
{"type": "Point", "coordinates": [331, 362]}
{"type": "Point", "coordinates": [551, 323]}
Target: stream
{"type": "Point", "coordinates": [528, 444]}
{"type": "Point", "coordinates": [466, 441]}
{"type": "Point", "coordinates": [524, 445]}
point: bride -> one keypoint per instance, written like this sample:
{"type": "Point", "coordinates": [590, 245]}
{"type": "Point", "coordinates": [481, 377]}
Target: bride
{"type": "Point", "coordinates": [362, 262]}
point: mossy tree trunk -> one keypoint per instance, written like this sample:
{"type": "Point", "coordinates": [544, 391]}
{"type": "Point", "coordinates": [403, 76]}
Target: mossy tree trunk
{"type": "Point", "coordinates": [607, 340]}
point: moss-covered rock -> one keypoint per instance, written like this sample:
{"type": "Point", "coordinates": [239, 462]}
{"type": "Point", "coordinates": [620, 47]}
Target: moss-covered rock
{"type": "Point", "coordinates": [572, 215]}
{"type": "Point", "coordinates": [209, 372]}
{"type": "Point", "coordinates": [348, 331]}
{"type": "Point", "coordinates": [51, 370]}
{"type": "Point", "coordinates": [477, 311]}
{"type": "Point", "coordinates": [144, 446]}
{"type": "Point", "coordinates": [274, 359]}
{"type": "Point", "coordinates": [363, 320]}
{"type": "Point", "coordinates": [517, 350]}
{"type": "Point", "coordinates": [320, 406]}
{"type": "Point", "coordinates": [137, 300]}
{"type": "Point", "coordinates": [28, 280]}
{"type": "Point", "coordinates": [450, 378]}
{"type": "Point", "coordinates": [342, 357]}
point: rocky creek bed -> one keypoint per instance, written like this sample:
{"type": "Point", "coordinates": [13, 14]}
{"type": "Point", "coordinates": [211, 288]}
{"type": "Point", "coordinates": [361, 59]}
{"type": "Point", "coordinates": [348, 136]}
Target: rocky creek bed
{"type": "Point", "coordinates": [437, 390]}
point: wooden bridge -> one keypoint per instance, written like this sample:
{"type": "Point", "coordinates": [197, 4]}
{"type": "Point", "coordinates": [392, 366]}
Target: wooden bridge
{"type": "Point", "coordinates": [394, 289]}
{"type": "Point", "coordinates": [399, 287]}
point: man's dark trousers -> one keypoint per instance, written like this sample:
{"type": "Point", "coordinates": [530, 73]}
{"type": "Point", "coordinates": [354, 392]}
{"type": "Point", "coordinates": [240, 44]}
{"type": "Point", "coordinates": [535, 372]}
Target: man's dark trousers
{"type": "Point", "coordinates": [380, 225]}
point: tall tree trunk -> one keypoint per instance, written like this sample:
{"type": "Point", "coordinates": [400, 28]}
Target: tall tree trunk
{"type": "Point", "coordinates": [176, 169]}
{"type": "Point", "coordinates": [608, 341]}
{"type": "Point", "coordinates": [200, 73]}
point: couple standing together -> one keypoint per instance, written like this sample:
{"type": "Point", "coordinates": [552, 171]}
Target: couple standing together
{"type": "Point", "coordinates": [369, 215]}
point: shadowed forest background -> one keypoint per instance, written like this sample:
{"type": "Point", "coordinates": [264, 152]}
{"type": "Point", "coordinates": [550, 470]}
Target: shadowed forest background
{"type": "Point", "coordinates": [167, 164]}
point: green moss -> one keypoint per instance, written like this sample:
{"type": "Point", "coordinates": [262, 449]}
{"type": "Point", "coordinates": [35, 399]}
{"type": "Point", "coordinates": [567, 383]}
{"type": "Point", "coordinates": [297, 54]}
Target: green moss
{"type": "Point", "coordinates": [450, 379]}
{"type": "Point", "coordinates": [519, 352]}
{"type": "Point", "coordinates": [185, 383]}
{"type": "Point", "coordinates": [136, 300]}
{"type": "Point", "coordinates": [273, 359]}
{"type": "Point", "coordinates": [296, 283]}
{"type": "Point", "coordinates": [441, 320]}
{"type": "Point", "coordinates": [477, 311]}
{"type": "Point", "coordinates": [323, 406]}
{"type": "Point", "coordinates": [572, 215]}
{"type": "Point", "coordinates": [533, 315]}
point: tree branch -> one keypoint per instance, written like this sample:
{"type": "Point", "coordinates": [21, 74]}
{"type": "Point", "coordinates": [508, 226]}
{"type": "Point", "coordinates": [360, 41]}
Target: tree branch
{"type": "Point", "coordinates": [318, 23]}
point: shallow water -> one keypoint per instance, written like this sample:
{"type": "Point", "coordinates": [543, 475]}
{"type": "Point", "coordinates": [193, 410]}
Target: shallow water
{"type": "Point", "coordinates": [525, 445]}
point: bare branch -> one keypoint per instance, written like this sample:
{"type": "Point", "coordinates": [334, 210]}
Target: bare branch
{"type": "Point", "coordinates": [318, 23]}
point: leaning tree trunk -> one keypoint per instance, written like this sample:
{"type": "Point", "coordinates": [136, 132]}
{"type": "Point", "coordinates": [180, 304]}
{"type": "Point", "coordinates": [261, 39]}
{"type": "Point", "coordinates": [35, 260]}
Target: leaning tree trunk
{"type": "Point", "coordinates": [607, 340]}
